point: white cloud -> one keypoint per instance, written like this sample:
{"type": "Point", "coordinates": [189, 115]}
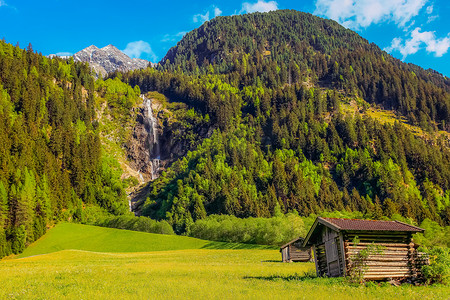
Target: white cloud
{"type": "Point", "coordinates": [432, 18]}
{"type": "Point", "coordinates": [137, 48]}
{"type": "Point", "coordinates": [217, 11]}
{"type": "Point", "coordinates": [202, 18]}
{"type": "Point", "coordinates": [199, 18]}
{"type": "Point", "coordinates": [419, 40]}
{"type": "Point", "coordinates": [408, 27]}
{"type": "Point", "coordinates": [358, 14]}
{"type": "Point", "coordinates": [8, 6]}
{"type": "Point", "coordinates": [260, 6]}
{"type": "Point", "coordinates": [64, 54]}
{"type": "Point", "coordinates": [173, 37]}
{"type": "Point", "coordinates": [429, 11]}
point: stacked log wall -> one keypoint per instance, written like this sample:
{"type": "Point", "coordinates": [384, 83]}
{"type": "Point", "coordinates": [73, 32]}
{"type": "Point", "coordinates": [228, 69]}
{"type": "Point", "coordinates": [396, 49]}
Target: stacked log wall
{"type": "Point", "coordinates": [396, 260]}
{"type": "Point", "coordinates": [299, 254]}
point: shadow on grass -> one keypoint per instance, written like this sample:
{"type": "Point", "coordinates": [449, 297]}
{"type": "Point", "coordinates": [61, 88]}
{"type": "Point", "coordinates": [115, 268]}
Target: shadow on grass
{"type": "Point", "coordinates": [237, 246]}
{"type": "Point", "coordinates": [273, 261]}
{"type": "Point", "coordinates": [294, 277]}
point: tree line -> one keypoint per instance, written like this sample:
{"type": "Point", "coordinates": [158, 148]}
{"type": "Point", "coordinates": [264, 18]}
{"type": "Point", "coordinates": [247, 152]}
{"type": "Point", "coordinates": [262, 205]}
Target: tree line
{"type": "Point", "coordinates": [51, 158]}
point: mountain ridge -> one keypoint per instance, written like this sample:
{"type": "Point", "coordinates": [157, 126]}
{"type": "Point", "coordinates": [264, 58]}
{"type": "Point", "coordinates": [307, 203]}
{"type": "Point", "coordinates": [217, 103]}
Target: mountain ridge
{"type": "Point", "coordinates": [109, 59]}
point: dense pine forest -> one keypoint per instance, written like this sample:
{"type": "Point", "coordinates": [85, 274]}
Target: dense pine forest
{"type": "Point", "coordinates": [274, 85]}
{"type": "Point", "coordinates": [51, 158]}
{"type": "Point", "coordinates": [296, 150]}
{"type": "Point", "coordinates": [270, 110]}
{"type": "Point", "coordinates": [285, 47]}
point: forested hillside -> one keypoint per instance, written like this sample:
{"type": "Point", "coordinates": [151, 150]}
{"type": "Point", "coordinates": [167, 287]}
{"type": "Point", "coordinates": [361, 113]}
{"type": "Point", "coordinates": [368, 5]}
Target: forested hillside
{"type": "Point", "coordinates": [273, 86]}
{"type": "Point", "coordinates": [260, 114]}
{"type": "Point", "coordinates": [284, 46]}
{"type": "Point", "coordinates": [51, 159]}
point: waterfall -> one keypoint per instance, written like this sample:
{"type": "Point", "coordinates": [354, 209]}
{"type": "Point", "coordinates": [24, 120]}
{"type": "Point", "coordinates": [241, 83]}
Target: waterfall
{"type": "Point", "coordinates": [141, 178]}
{"type": "Point", "coordinates": [154, 148]}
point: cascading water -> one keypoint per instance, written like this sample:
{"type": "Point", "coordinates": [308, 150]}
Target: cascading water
{"type": "Point", "coordinates": [155, 155]}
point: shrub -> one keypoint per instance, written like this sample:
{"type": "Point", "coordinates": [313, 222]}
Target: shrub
{"type": "Point", "coordinates": [92, 215]}
{"type": "Point", "coordinates": [130, 222]}
{"type": "Point", "coordinates": [358, 261]}
{"type": "Point", "coordinates": [439, 269]}
{"type": "Point", "coordinates": [265, 231]}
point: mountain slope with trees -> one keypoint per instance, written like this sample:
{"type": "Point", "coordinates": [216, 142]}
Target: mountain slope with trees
{"type": "Point", "coordinates": [256, 103]}
{"type": "Point", "coordinates": [51, 158]}
{"type": "Point", "coordinates": [288, 46]}
{"type": "Point", "coordinates": [273, 86]}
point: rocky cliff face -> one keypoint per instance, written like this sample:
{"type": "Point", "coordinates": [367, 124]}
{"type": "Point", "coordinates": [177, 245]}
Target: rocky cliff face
{"type": "Point", "coordinates": [109, 59]}
{"type": "Point", "coordinates": [158, 139]}
{"type": "Point", "coordinates": [143, 149]}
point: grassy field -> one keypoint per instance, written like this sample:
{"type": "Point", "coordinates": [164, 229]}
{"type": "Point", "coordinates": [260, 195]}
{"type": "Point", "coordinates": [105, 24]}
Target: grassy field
{"type": "Point", "coordinates": [199, 273]}
{"type": "Point", "coordinates": [70, 236]}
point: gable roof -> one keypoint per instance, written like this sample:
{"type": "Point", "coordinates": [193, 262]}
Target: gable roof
{"type": "Point", "coordinates": [360, 225]}
{"type": "Point", "coordinates": [370, 225]}
{"type": "Point", "coordinates": [293, 241]}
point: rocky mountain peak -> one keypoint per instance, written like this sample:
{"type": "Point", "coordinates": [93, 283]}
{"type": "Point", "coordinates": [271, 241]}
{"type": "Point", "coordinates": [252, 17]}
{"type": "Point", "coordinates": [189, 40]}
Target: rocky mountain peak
{"type": "Point", "coordinates": [91, 48]}
{"type": "Point", "coordinates": [109, 59]}
{"type": "Point", "coordinates": [110, 48]}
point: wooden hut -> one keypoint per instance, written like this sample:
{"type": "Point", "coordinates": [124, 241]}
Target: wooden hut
{"type": "Point", "coordinates": [336, 242]}
{"type": "Point", "coordinates": [293, 251]}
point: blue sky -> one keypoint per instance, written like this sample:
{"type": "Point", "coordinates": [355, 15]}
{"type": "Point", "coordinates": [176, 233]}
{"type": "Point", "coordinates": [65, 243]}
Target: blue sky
{"type": "Point", "coordinates": [415, 31]}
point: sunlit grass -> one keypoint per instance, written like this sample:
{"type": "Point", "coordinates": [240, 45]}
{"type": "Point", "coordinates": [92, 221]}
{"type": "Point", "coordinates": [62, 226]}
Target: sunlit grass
{"type": "Point", "coordinates": [99, 239]}
{"type": "Point", "coordinates": [182, 274]}
{"type": "Point", "coordinates": [388, 116]}
{"type": "Point", "coordinates": [191, 269]}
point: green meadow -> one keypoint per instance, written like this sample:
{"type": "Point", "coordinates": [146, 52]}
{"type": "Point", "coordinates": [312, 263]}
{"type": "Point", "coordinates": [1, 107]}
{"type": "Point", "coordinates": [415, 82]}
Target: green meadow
{"type": "Point", "coordinates": [70, 236]}
{"type": "Point", "coordinates": [100, 263]}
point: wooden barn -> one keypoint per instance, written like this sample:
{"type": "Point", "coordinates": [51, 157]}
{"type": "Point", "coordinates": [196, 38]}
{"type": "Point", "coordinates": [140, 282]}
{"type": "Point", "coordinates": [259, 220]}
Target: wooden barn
{"type": "Point", "coordinates": [336, 242]}
{"type": "Point", "coordinates": [293, 251]}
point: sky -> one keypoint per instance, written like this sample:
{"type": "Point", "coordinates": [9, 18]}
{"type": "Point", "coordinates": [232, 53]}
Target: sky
{"type": "Point", "coordinates": [415, 31]}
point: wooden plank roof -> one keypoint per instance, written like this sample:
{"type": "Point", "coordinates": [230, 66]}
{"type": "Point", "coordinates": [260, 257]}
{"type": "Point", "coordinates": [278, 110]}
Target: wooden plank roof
{"type": "Point", "coordinates": [360, 225]}
{"type": "Point", "coordinates": [293, 241]}
{"type": "Point", "coordinates": [370, 225]}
